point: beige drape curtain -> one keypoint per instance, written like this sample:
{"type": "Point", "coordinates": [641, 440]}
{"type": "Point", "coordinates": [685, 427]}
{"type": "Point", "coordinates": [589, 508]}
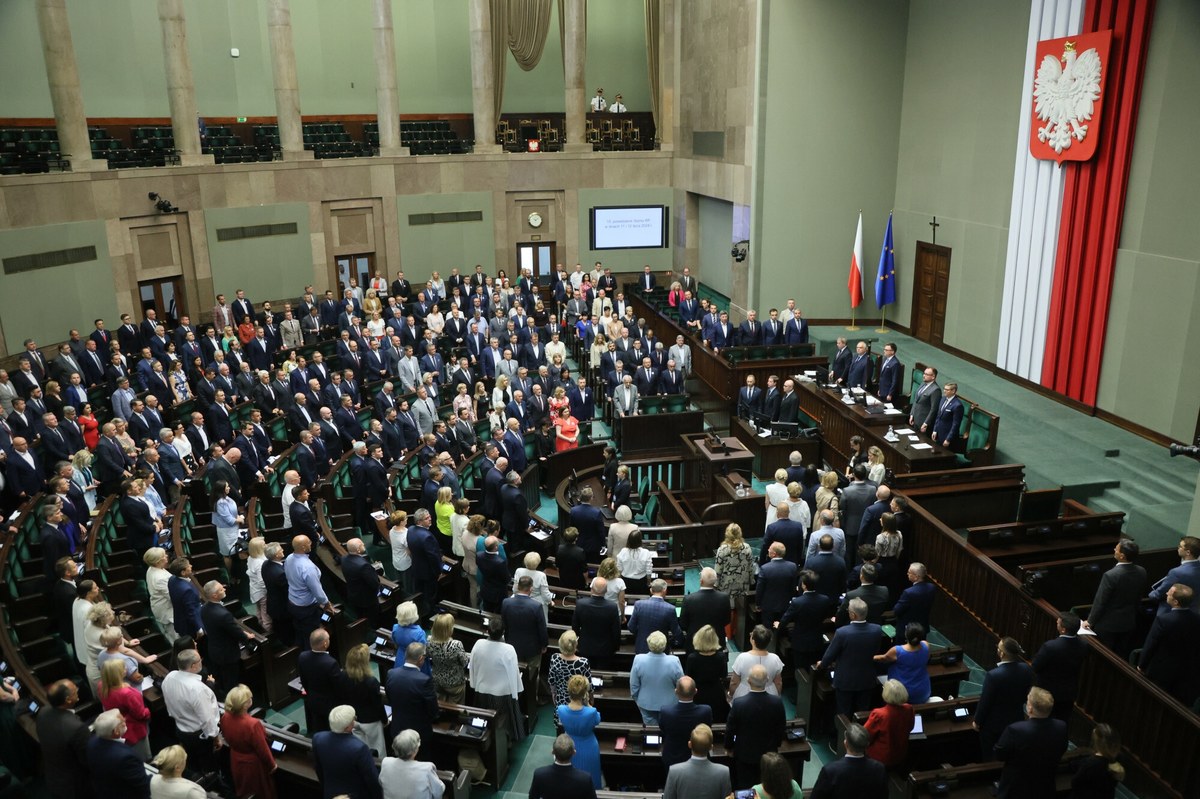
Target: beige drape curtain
{"type": "Point", "coordinates": [653, 24]}
{"type": "Point", "coordinates": [519, 27]}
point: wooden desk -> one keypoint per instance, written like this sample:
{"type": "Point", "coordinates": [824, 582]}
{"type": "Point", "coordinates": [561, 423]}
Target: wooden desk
{"type": "Point", "coordinates": [706, 460]}
{"type": "Point", "coordinates": [945, 739]}
{"type": "Point", "coordinates": [771, 454]}
{"type": "Point", "coordinates": [839, 422]}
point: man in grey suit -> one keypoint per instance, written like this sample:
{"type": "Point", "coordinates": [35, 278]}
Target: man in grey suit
{"type": "Point", "coordinates": [856, 498]}
{"type": "Point", "coordinates": [925, 400]}
{"type": "Point", "coordinates": [424, 410]}
{"type": "Point", "coordinates": [681, 353]}
{"type": "Point", "coordinates": [1114, 610]}
{"type": "Point", "coordinates": [698, 777]}
{"type": "Point", "coordinates": [625, 398]}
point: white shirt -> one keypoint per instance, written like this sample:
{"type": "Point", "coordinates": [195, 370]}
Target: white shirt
{"type": "Point", "coordinates": [160, 597]}
{"type": "Point", "coordinates": [79, 613]}
{"type": "Point", "coordinates": [617, 108]}
{"type": "Point", "coordinates": [599, 103]}
{"type": "Point", "coordinates": [258, 588]}
{"type": "Point", "coordinates": [494, 669]}
{"type": "Point", "coordinates": [634, 563]}
{"type": "Point", "coordinates": [401, 556]}
{"type": "Point", "coordinates": [191, 703]}
{"type": "Point", "coordinates": [541, 589]}
{"type": "Point", "coordinates": [287, 499]}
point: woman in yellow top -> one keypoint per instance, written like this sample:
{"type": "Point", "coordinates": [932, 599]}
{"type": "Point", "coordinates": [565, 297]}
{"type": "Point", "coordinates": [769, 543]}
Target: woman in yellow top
{"type": "Point", "coordinates": [443, 509]}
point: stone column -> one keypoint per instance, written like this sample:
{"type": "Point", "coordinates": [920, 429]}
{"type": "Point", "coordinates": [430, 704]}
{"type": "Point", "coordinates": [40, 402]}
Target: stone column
{"type": "Point", "coordinates": [574, 63]}
{"type": "Point", "coordinates": [483, 95]}
{"type": "Point", "coordinates": [386, 96]}
{"type": "Point", "coordinates": [63, 74]}
{"type": "Point", "coordinates": [181, 92]}
{"type": "Point", "coordinates": [668, 66]}
{"type": "Point", "coordinates": [287, 90]}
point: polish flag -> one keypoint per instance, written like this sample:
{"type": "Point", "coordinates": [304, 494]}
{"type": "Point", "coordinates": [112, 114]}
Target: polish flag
{"type": "Point", "coordinates": [856, 259]}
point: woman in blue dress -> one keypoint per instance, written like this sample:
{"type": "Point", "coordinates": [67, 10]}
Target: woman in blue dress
{"type": "Point", "coordinates": [406, 631]}
{"type": "Point", "coordinates": [579, 720]}
{"type": "Point", "coordinates": [909, 663]}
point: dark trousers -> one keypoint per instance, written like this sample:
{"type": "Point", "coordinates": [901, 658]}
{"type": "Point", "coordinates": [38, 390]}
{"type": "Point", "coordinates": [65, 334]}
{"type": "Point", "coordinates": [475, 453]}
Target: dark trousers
{"type": "Point", "coordinates": [746, 775]}
{"type": "Point", "coordinates": [202, 758]}
{"type": "Point", "coordinates": [850, 702]}
{"type": "Point", "coordinates": [226, 676]}
{"type": "Point", "coordinates": [428, 590]}
{"type": "Point", "coordinates": [305, 619]}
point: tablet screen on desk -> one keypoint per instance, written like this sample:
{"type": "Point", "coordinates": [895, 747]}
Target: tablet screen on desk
{"type": "Point", "coordinates": [478, 723]}
{"type": "Point", "coordinates": [653, 740]}
{"type": "Point", "coordinates": [278, 746]}
{"type": "Point", "coordinates": [961, 712]}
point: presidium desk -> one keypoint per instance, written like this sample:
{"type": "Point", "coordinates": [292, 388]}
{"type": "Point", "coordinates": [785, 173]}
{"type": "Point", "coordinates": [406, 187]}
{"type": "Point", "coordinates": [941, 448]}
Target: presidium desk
{"type": "Point", "coordinates": [839, 421]}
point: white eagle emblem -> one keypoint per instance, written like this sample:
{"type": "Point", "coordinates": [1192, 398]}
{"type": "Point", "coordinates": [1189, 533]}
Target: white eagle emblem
{"type": "Point", "coordinates": [1065, 95]}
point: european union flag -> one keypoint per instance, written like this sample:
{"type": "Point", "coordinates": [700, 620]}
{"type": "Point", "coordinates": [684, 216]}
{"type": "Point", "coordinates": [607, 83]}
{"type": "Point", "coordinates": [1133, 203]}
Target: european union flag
{"type": "Point", "coordinates": [885, 281]}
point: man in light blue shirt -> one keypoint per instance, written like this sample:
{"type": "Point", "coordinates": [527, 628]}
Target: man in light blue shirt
{"type": "Point", "coordinates": [306, 597]}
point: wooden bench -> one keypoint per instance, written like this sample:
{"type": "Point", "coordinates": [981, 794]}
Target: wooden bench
{"type": "Point", "coordinates": [1064, 537]}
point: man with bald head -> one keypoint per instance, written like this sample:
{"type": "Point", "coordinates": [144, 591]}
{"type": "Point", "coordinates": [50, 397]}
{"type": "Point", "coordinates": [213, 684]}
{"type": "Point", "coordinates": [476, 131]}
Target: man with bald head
{"type": "Point", "coordinates": [319, 677]}
{"type": "Point", "coordinates": [756, 725]}
{"type": "Point", "coordinates": [597, 622]}
{"type": "Point", "coordinates": [306, 597]}
{"type": "Point", "coordinates": [787, 532]}
{"type": "Point", "coordinates": [678, 719]}
{"type": "Point", "coordinates": [708, 606]}
{"type": "Point", "coordinates": [362, 582]}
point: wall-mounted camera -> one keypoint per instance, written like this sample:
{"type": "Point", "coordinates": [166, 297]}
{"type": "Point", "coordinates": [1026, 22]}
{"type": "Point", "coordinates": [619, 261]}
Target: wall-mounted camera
{"type": "Point", "coordinates": [163, 205]}
{"type": "Point", "coordinates": [740, 250]}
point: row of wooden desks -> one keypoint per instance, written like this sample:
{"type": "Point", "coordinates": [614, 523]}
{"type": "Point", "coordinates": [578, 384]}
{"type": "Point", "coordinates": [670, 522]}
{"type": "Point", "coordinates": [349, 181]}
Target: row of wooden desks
{"type": "Point", "coordinates": [839, 421]}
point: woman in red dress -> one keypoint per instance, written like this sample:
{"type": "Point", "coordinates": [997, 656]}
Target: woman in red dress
{"type": "Point", "coordinates": [90, 425]}
{"type": "Point", "coordinates": [250, 757]}
{"type": "Point", "coordinates": [566, 430]}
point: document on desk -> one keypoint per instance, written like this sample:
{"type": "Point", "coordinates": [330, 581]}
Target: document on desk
{"type": "Point", "coordinates": [918, 726]}
{"type": "Point", "coordinates": [893, 412]}
{"type": "Point", "coordinates": [764, 433]}
{"type": "Point", "coordinates": [922, 446]}
{"type": "Point", "coordinates": [904, 431]}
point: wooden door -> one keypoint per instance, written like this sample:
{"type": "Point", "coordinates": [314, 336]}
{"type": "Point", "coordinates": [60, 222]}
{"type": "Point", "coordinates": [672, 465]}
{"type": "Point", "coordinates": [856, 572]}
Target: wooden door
{"type": "Point", "coordinates": [165, 296]}
{"type": "Point", "coordinates": [930, 286]}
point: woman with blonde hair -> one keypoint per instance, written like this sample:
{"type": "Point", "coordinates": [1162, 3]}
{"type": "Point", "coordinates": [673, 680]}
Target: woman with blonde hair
{"type": "Point", "coordinates": [565, 664]}
{"type": "Point", "coordinates": [470, 542]}
{"type": "Point", "coordinates": [169, 782]}
{"type": "Point", "coordinates": [250, 757]}
{"type": "Point", "coordinates": [401, 555]}
{"type": "Point", "coordinates": [449, 660]}
{"type": "Point", "coordinates": [256, 551]}
{"type": "Point", "coordinates": [875, 466]}
{"type": "Point", "coordinates": [541, 588]}
{"type": "Point", "coordinates": [375, 326]}
{"type": "Point", "coordinates": [443, 509]}
{"type": "Point", "coordinates": [407, 630]}
{"type": "Point", "coordinates": [616, 586]}
{"type": "Point", "coordinates": [889, 725]}
{"type": "Point", "coordinates": [116, 692]}
{"type": "Point", "coordinates": [620, 530]}
{"type": "Point", "coordinates": [479, 401]}
{"type": "Point", "coordinates": [371, 303]}
{"type": "Point", "coordinates": [157, 585]}
{"type": "Point", "coordinates": [501, 396]}
{"type": "Point", "coordinates": [709, 667]}
{"type": "Point", "coordinates": [463, 402]}
{"type": "Point", "coordinates": [579, 720]}
{"type": "Point", "coordinates": [558, 399]}
{"type": "Point", "coordinates": [359, 688]}
{"type": "Point", "coordinates": [735, 569]}
{"type": "Point", "coordinates": [100, 617]}
{"type": "Point", "coordinates": [827, 494]}
{"type": "Point", "coordinates": [775, 494]}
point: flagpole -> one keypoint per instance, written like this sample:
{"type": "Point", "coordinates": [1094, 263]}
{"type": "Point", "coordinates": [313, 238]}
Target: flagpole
{"type": "Point", "coordinates": [852, 326]}
{"type": "Point", "coordinates": [882, 321]}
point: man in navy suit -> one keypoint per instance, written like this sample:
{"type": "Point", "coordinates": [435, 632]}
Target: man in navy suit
{"type": "Point", "coordinates": [776, 584]}
{"type": "Point", "coordinates": [426, 559]}
{"type": "Point", "coordinates": [807, 614]}
{"type": "Point", "coordinates": [829, 566]}
{"type": "Point", "coordinates": [561, 780]}
{"type": "Point", "coordinates": [583, 402]}
{"type": "Point", "coordinates": [410, 693]}
{"type": "Point", "coordinates": [676, 721]}
{"type": "Point", "coordinates": [115, 768]}
{"type": "Point", "coordinates": [24, 471]}
{"type": "Point", "coordinates": [787, 532]}
{"type": "Point", "coordinates": [141, 528]}
{"type": "Point", "coordinates": [1001, 702]}
{"type": "Point", "coordinates": [1031, 749]}
{"type": "Point", "coordinates": [890, 373]}
{"type": "Point", "coordinates": [343, 763]}
{"type": "Point", "coordinates": [1171, 655]}
{"type": "Point", "coordinates": [589, 521]}
{"type": "Point", "coordinates": [915, 602]}
{"type": "Point", "coordinates": [1057, 665]}
{"type": "Point", "coordinates": [750, 332]}
{"type": "Point", "coordinates": [652, 614]}
{"type": "Point", "coordinates": [750, 399]}
{"type": "Point", "coordinates": [851, 656]}
{"type": "Point", "coordinates": [859, 372]}
{"type": "Point", "coordinates": [946, 417]}
{"type": "Point", "coordinates": [525, 629]}
{"type": "Point", "coordinates": [319, 676]}
{"type": "Point", "coordinates": [722, 334]}
{"type": "Point", "coordinates": [795, 330]}
{"type": "Point", "coordinates": [757, 723]}
{"type": "Point", "coordinates": [772, 329]}
{"type": "Point", "coordinates": [647, 281]}
{"type": "Point", "coordinates": [1187, 572]}
{"type": "Point", "coordinates": [854, 776]}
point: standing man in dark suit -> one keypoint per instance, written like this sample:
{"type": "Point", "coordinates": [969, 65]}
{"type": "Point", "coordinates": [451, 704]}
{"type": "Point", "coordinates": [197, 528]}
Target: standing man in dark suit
{"type": "Point", "coordinates": [876, 597]}
{"type": "Point", "coordinates": [652, 614]}
{"type": "Point", "coordinates": [597, 622]}
{"type": "Point", "coordinates": [561, 780]}
{"type": "Point", "coordinates": [1030, 750]}
{"type": "Point", "coordinates": [362, 582]}
{"type": "Point", "coordinates": [856, 498]}
{"type": "Point", "coordinates": [839, 365]}
{"type": "Point", "coordinates": [525, 630]}
{"type": "Point", "coordinates": [946, 419]}
{"type": "Point", "coordinates": [807, 614]}
{"type": "Point", "coordinates": [789, 403]}
{"type": "Point", "coordinates": [854, 776]}
{"type": "Point", "coordinates": [859, 372]}
{"type": "Point", "coordinates": [756, 725]}
{"type": "Point", "coordinates": [676, 721]}
{"type": "Point", "coordinates": [853, 650]}
{"type": "Point", "coordinates": [915, 603]}
{"type": "Point", "coordinates": [426, 559]}
{"type": "Point", "coordinates": [1001, 702]}
{"type": "Point", "coordinates": [708, 606]}
{"type": "Point", "coordinates": [776, 585]}
{"type": "Point", "coordinates": [494, 575]}
{"type": "Point", "coordinates": [55, 544]}
{"type": "Point", "coordinates": [275, 579]}
{"type": "Point", "coordinates": [891, 372]}
{"type": "Point", "coordinates": [116, 769]}
{"type": "Point", "coordinates": [787, 532]}
{"type": "Point", "coordinates": [141, 528]}
{"type": "Point", "coordinates": [410, 693]}
{"type": "Point", "coordinates": [63, 738]}
{"type": "Point", "coordinates": [343, 763]}
{"type": "Point", "coordinates": [589, 521]}
{"type": "Point", "coordinates": [1187, 572]}
{"type": "Point", "coordinates": [225, 638]}
{"type": "Point", "coordinates": [319, 673]}
{"type": "Point", "coordinates": [1057, 665]}
{"type": "Point", "coordinates": [829, 567]}
{"type": "Point", "coordinates": [1113, 617]}
{"type": "Point", "coordinates": [514, 511]}
{"type": "Point", "coordinates": [1171, 655]}
{"type": "Point", "coordinates": [571, 561]}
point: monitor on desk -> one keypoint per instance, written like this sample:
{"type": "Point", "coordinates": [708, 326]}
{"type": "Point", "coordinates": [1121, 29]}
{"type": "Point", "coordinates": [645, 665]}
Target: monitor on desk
{"type": "Point", "coordinates": [785, 429]}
